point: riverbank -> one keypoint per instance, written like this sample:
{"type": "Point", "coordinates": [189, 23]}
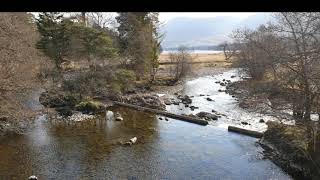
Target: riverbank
{"type": "Point", "coordinates": [293, 147]}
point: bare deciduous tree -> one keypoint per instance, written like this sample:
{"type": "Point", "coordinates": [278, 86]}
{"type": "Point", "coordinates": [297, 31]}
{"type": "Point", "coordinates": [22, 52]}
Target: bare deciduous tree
{"type": "Point", "coordinates": [228, 50]}
{"type": "Point", "coordinates": [290, 48]}
{"type": "Point", "coordinates": [182, 62]}
{"type": "Point", "coordinates": [19, 62]}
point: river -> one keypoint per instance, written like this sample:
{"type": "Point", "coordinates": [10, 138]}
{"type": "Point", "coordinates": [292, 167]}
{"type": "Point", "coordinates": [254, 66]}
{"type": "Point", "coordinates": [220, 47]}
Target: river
{"type": "Point", "coordinates": [57, 149]}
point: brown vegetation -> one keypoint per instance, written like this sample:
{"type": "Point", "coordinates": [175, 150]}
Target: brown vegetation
{"type": "Point", "coordinates": [19, 64]}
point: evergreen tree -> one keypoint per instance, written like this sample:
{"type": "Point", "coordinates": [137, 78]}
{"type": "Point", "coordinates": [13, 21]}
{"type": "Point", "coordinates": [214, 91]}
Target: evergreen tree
{"type": "Point", "coordinates": [95, 43]}
{"type": "Point", "coordinates": [54, 36]}
{"type": "Point", "coordinates": [135, 40]}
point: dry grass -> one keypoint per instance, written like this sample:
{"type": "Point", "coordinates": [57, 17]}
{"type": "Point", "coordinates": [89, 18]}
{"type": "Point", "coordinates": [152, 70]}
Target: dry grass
{"type": "Point", "coordinates": [203, 58]}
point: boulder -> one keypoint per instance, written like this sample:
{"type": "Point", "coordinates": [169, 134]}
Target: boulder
{"type": "Point", "coordinates": [233, 76]}
{"type": "Point", "coordinates": [222, 84]}
{"type": "Point", "coordinates": [209, 99]}
{"type": "Point", "coordinates": [168, 101]}
{"type": "Point", "coordinates": [261, 121]}
{"type": "Point", "coordinates": [193, 108]}
{"type": "Point", "coordinates": [145, 100]}
{"type": "Point", "coordinates": [118, 117]}
{"type": "Point", "coordinates": [207, 116]}
{"type": "Point", "coordinates": [244, 123]}
{"type": "Point", "coordinates": [201, 94]}
{"type": "Point", "coordinates": [176, 102]}
{"type": "Point", "coordinates": [131, 141]}
{"type": "Point", "coordinates": [185, 99]}
{"type": "Point", "coordinates": [33, 177]}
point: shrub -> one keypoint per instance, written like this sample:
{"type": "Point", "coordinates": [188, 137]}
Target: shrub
{"type": "Point", "coordinates": [123, 80]}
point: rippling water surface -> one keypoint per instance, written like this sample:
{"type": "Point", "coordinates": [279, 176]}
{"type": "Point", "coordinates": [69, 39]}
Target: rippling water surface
{"type": "Point", "coordinates": [165, 149]}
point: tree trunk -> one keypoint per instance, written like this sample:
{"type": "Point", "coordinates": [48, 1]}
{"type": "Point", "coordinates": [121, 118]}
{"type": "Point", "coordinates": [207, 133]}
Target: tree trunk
{"type": "Point", "coordinates": [307, 102]}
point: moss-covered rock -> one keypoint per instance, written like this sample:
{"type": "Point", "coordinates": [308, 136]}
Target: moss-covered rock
{"type": "Point", "coordinates": [90, 107]}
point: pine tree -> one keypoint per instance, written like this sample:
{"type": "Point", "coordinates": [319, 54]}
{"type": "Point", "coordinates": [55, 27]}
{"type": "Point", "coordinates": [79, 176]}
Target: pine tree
{"type": "Point", "coordinates": [95, 43]}
{"type": "Point", "coordinates": [138, 40]}
{"type": "Point", "coordinates": [54, 36]}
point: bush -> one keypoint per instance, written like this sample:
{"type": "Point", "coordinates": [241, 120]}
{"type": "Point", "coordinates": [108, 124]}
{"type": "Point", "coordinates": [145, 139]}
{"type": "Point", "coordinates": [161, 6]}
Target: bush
{"type": "Point", "coordinates": [123, 80]}
{"type": "Point", "coordinates": [88, 83]}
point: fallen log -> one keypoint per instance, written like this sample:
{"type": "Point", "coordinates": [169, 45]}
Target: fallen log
{"type": "Point", "coordinates": [245, 131]}
{"type": "Point", "coordinates": [164, 113]}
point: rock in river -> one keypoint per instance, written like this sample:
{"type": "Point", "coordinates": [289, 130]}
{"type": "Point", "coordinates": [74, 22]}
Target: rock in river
{"type": "Point", "coordinates": [118, 117]}
{"type": "Point", "coordinates": [244, 123]}
{"type": "Point", "coordinates": [168, 101]}
{"type": "Point", "coordinates": [207, 116]}
{"type": "Point", "coordinates": [185, 99]}
{"type": "Point", "coordinates": [131, 141]}
{"type": "Point", "coordinates": [145, 100]}
{"type": "Point", "coordinates": [33, 177]}
{"type": "Point", "coordinates": [209, 99]}
{"type": "Point", "coordinates": [193, 108]}
{"type": "Point", "coordinates": [176, 103]}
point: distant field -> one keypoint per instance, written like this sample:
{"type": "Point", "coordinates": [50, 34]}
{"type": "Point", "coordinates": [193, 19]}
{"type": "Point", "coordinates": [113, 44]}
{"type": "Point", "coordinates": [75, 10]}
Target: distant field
{"type": "Point", "coordinates": [201, 63]}
{"type": "Point", "coordinates": [198, 58]}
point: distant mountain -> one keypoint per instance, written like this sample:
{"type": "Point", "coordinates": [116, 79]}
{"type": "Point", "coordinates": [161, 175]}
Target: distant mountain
{"type": "Point", "coordinates": [206, 31]}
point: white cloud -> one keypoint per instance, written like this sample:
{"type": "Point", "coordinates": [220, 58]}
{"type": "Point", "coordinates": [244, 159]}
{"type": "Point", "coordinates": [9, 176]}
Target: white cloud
{"type": "Point", "coordinates": [165, 16]}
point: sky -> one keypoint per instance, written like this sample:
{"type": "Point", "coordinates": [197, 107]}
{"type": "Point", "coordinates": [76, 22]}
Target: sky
{"type": "Point", "coordinates": [166, 16]}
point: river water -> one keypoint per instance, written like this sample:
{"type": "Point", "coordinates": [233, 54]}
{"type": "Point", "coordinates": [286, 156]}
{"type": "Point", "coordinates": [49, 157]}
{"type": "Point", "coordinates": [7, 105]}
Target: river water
{"type": "Point", "coordinates": [57, 149]}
